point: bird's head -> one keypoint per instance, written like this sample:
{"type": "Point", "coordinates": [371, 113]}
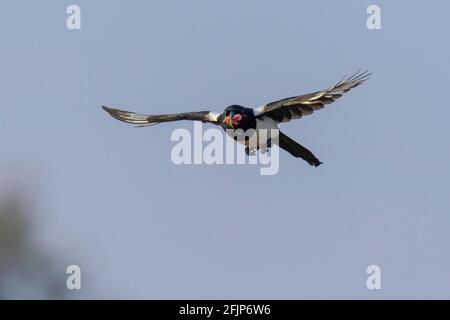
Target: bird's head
{"type": "Point", "coordinates": [233, 116]}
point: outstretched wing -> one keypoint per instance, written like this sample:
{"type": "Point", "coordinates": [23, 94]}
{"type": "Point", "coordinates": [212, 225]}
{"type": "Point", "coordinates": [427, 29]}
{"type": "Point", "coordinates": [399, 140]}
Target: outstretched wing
{"type": "Point", "coordinates": [142, 120]}
{"type": "Point", "coordinates": [296, 107]}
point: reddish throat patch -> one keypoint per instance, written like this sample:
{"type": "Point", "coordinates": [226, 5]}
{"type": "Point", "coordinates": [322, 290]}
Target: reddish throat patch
{"type": "Point", "coordinates": [236, 119]}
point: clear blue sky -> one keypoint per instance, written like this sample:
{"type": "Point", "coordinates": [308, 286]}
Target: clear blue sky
{"type": "Point", "coordinates": [110, 199]}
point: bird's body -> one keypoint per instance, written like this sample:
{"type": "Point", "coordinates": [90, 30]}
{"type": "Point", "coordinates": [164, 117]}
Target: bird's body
{"type": "Point", "coordinates": [237, 120]}
{"type": "Point", "coordinates": [250, 127]}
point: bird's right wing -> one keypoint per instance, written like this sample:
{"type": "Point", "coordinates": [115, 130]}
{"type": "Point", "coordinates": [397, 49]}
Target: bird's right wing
{"type": "Point", "coordinates": [143, 120]}
{"type": "Point", "coordinates": [295, 107]}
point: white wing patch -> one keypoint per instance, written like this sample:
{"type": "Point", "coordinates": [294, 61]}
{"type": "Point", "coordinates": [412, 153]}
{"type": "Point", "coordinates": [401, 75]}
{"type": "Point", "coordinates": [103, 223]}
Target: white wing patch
{"type": "Point", "coordinates": [213, 117]}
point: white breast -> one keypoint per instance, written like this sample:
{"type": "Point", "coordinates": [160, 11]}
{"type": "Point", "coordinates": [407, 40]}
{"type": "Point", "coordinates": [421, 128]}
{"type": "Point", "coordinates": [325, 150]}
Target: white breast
{"type": "Point", "coordinates": [264, 123]}
{"type": "Point", "coordinates": [267, 124]}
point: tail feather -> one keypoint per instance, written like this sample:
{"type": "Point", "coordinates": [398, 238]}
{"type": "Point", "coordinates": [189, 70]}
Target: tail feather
{"type": "Point", "coordinates": [297, 150]}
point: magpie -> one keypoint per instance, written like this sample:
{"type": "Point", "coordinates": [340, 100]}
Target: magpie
{"type": "Point", "coordinates": [267, 117]}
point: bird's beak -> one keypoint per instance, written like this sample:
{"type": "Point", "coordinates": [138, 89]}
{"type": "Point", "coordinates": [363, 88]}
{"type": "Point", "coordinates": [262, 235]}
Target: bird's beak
{"type": "Point", "coordinates": [228, 121]}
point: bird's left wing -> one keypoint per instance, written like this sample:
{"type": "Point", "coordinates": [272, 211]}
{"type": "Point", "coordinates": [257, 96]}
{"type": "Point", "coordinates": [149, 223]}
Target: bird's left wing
{"type": "Point", "coordinates": [295, 107]}
{"type": "Point", "coordinates": [143, 120]}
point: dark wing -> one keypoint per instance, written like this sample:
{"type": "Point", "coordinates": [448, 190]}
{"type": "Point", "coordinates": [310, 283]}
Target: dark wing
{"type": "Point", "coordinates": [296, 107]}
{"type": "Point", "coordinates": [142, 120]}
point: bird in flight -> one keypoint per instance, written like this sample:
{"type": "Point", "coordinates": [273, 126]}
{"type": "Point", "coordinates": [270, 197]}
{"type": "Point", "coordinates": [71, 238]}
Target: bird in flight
{"type": "Point", "coordinates": [265, 117]}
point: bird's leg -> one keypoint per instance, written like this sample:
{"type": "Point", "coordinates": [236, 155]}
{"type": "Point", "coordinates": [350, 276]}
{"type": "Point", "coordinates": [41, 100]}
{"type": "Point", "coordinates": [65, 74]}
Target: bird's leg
{"type": "Point", "coordinates": [267, 147]}
{"type": "Point", "coordinates": [250, 152]}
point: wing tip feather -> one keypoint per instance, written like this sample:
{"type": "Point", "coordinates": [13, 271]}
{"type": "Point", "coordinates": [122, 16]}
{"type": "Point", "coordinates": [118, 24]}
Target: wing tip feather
{"type": "Point", "coordinates": [128, 117]}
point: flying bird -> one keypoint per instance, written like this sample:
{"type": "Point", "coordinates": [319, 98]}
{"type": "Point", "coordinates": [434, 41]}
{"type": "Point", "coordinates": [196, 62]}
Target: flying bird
{"type": "Point", "coordinates": [268, 116]}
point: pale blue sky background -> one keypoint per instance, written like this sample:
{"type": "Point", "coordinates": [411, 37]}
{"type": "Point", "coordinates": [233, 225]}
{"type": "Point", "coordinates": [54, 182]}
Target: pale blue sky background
{"type": "Point", "coordinates": [108, 197]}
